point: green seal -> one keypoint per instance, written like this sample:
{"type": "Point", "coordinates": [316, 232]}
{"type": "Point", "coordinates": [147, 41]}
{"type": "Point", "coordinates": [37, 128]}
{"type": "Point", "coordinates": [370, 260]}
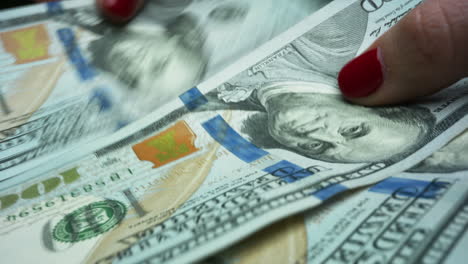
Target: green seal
{"type": "Point", "coordinates": [89, 221]}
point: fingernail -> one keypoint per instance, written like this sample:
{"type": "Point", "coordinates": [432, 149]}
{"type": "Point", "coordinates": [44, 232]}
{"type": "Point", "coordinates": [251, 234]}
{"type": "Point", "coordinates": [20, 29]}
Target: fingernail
{"type": "Point", "coordinates": [119, 11]}
{"type": "Point", "coordinates": [362, 76]}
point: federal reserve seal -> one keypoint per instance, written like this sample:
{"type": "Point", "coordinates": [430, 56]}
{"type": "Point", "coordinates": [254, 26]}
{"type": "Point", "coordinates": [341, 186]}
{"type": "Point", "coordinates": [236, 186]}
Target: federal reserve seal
{"type": "Point", "coordinates": [89, 221]}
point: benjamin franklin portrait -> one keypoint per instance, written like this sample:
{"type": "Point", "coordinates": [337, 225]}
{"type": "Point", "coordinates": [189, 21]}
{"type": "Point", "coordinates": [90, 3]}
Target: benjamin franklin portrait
{"type": "Point", "coordinates": [300, 108]}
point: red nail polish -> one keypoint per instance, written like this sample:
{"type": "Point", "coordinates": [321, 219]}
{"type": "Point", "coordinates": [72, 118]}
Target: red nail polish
{"type": "Point", "coordinates": [119, 11]}
{"type": "Point", "coordinates": [362, 76]}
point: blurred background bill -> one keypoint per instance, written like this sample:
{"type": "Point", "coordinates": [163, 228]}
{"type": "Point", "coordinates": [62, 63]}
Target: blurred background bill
{"type": "Point", "coordinates": [68, 77]}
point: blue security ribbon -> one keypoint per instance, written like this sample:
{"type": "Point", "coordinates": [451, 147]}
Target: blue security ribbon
{"type": "Point", "coordinates": [222, 132]}
{"type": "Point", "coordinates": [193, 99]}
{"type": "Point", "coordinates": [67, 37]}
{"type": "Point", "coordinates": [54, 8]}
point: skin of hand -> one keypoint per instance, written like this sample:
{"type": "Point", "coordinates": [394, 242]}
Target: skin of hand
{"type": "Point", "coordinates": [115, 11]}
{"type": "Point", "coordinates": [119, 11]}
{"type": "Point", "coordinates": [423, 53]}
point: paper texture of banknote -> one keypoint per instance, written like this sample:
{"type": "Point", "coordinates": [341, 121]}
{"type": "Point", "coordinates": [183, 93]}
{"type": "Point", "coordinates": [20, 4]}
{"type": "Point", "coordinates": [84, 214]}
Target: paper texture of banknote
{"type": "Point", "coordinates": [68, 77]}
{"type": "Point", "coordinates": [51, 97]}
{"type": "Point", "coordinates": [409, 218]}
{"type": "Point", "coordinates": [339, 230]}
{"type": "Point", "coordinates": [265, 139]}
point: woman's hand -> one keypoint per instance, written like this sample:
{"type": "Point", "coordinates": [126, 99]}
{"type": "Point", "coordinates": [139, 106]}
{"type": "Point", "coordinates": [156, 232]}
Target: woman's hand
{"type": "Point", "coordinates": [119, 11]}
{"type": "Point", "coordinates": [115, 11]}
{"type": "Point", "coordinates": [422, 54]}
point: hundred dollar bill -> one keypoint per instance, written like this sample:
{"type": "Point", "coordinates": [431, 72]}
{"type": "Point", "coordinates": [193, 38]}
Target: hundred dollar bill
{"type": "Point", "coordinates": [411, 218]}
{"type": "Point", "coordinates": [68, 77]}
{"type": "Point", "coordinates": [50, 96]}
{"type": "Point", "coordinates": [287, 103]}
{"type": "Point", "coordinates": [264, 139]}
{"type": "Point", "coordinates": [378, 223]}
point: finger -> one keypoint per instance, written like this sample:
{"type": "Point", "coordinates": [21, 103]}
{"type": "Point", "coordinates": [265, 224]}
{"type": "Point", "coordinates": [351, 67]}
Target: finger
{"type": "Point", "coordinates": [119, 11]}
{"type": "Point", "coordinates": [422, 54]}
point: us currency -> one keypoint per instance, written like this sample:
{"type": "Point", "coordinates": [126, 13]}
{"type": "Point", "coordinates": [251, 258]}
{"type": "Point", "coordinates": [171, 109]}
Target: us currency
{"type": "Point", "coordinates": [410, 218]}
{"type": "Point", "coordinates": [48, 100]}
{"type": "Point", "coordinates": [414, 217]}
{"type": "Point", "coordinates": [68, 77]}
{"type": "Point", "coordinates": [230, 156]}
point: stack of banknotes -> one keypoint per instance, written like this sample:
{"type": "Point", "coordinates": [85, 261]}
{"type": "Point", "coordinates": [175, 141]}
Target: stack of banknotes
{"type": "Point", "coordinates": [214, 132]}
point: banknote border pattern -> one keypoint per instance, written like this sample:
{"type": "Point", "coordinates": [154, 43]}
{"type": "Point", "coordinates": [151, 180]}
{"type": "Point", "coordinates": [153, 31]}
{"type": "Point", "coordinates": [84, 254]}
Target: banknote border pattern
{"type": "Point", "coordinates": [412, 201]}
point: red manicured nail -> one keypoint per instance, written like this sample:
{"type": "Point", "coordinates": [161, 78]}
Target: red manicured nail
{"type": "Point", "coordinates": [362, 76]}
{"type": "Point", "coordinates": [119, 11]}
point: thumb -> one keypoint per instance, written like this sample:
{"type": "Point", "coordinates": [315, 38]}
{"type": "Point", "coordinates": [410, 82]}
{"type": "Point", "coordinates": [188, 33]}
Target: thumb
{"type": "Point", "coordinates": [423, 53]}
